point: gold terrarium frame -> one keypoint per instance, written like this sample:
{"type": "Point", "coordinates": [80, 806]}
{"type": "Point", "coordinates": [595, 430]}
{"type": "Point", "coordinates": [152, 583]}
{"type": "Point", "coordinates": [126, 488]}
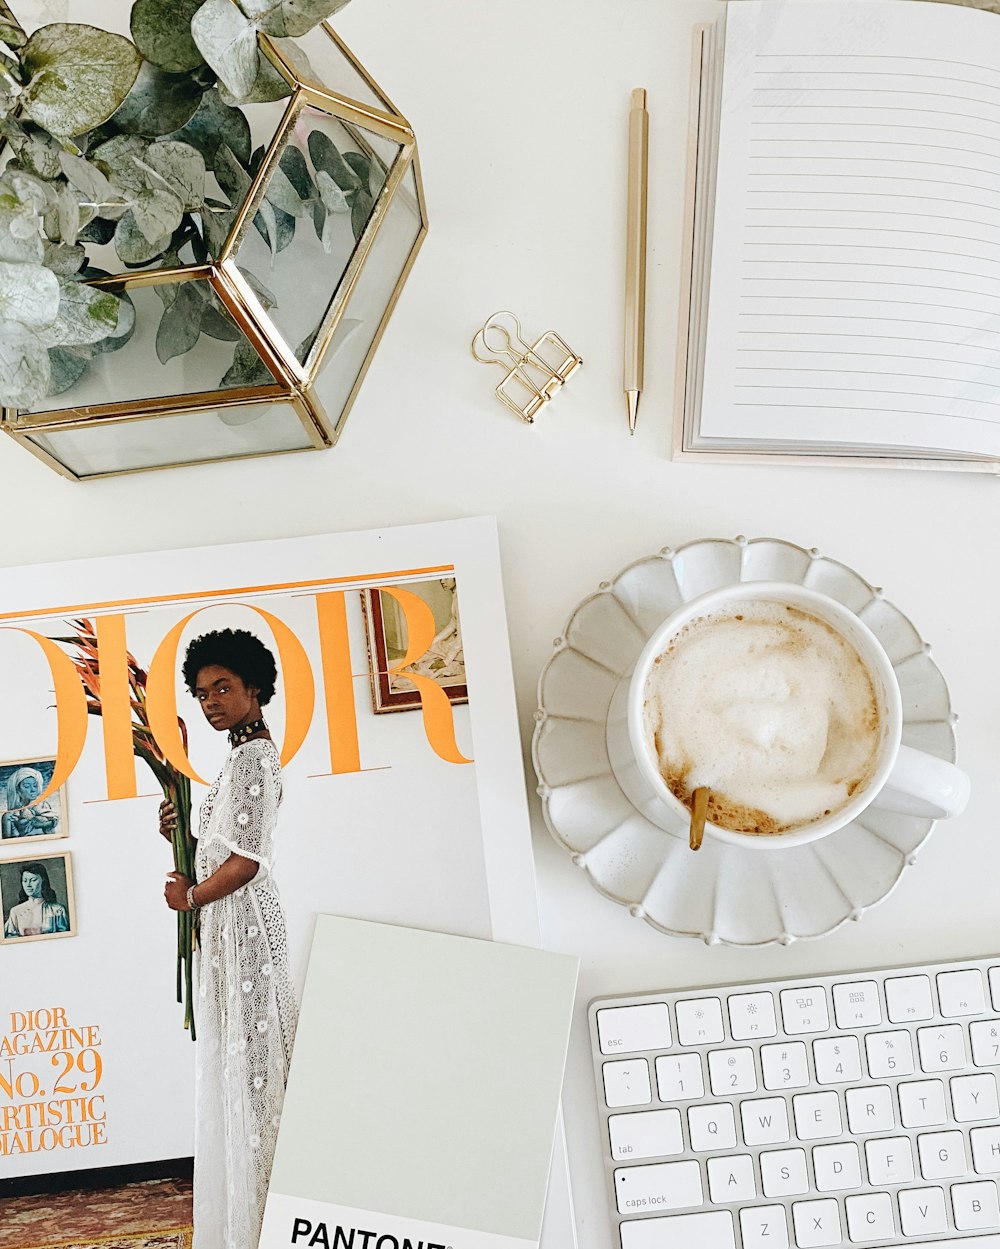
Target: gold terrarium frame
{"type": "Point", "coordinates": [294, 380]}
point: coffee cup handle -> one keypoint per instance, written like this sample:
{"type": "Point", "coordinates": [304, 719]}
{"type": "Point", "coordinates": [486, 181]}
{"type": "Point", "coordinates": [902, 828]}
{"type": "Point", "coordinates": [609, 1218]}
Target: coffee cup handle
{"type": "Point", "coordinates": [923, 785]}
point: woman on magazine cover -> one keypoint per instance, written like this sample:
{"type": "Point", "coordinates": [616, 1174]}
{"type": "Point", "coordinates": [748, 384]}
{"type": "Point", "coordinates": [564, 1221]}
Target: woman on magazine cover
{"type": "Point", "coordinates": [245, 1009]}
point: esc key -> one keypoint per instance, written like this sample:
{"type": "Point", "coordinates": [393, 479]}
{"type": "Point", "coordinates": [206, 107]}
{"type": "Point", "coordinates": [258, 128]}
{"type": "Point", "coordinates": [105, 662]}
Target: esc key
{"type": "Point", "coordinates": [631, 1029]}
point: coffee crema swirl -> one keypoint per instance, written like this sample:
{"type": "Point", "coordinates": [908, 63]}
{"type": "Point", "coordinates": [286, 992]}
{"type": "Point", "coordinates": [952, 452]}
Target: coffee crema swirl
{"type": "Point", "coordinates": [769, 708]}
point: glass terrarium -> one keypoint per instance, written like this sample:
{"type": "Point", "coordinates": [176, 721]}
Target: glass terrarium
{"type": "Point", "coordinates": [315, 222]}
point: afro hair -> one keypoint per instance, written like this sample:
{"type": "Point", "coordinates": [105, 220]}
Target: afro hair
{"type": "Point", "coordinates": [239, 651]}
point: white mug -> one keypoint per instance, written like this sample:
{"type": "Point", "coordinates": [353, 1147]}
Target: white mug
{"type": "Point", "coordinates": [906, 780]}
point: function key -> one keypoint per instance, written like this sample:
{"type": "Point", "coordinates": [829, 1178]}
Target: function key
{"type": "Point", "coordinates": [699, 1021]}
{"type": "Point", "coordinates": [751, 1015]}
{"type": "Point", "coordinates": [908, 998]}
{"type": "Point", "coordinates": [961, 993]}
{"type": "Point", "coordinates": [804, 1010]}
{"type": "Point", "coordinates": [856, 1004]}
{"type": "Point", "coordinates": [630, 1029]}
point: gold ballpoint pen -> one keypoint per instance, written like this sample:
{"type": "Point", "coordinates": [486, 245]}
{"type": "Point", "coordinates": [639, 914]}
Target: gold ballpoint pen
{"type": "Point", "coordinates": [635, 252]}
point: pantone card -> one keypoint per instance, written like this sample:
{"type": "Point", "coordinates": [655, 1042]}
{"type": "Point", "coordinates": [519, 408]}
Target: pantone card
{"type": "Point", "coordinates": [423, 1092]}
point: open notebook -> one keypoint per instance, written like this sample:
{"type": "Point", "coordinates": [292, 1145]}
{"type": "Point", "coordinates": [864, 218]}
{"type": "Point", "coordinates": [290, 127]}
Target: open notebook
{"type": "Point", "coordinates": [843, 233]}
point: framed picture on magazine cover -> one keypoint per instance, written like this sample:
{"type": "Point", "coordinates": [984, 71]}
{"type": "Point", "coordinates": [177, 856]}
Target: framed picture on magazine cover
{"type": "Point", "coordinates": [36, 898]}
{"type": "Point", "coordinates": [22, 781]}
{"type": "Point", "coordinates": [387, 642]}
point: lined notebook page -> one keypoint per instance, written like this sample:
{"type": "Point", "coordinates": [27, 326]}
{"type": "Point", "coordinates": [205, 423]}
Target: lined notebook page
{"type": "Point", "coordinates": [855, 281]}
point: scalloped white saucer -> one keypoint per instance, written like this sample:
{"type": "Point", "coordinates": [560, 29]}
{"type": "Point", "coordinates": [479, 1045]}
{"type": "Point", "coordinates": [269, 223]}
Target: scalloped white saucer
{"type": "Point", "coordinates": [723, 893]}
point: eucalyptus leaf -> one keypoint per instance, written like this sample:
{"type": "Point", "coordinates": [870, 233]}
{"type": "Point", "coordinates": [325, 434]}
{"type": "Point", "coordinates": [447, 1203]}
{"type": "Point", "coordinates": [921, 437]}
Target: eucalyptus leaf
{"type": "Point", "coordinates": [68, 208]}
{"type": "Point", "coordinates": [331, 196]}
{"type": "Point", "coordinates": [86, 315]}
{"type": "Point", "coordinates": [25, 370]}
{"type": "Point", "coordinates": [214, 123]}
{"type": "Point", "coordinates": [64, 261]}
{"type": "Point", "coordinates": [38, 152]}
{"type": "Point", "coordinates": [265, 295]}
{"type": "Point", "coordinates": [11, 30]}
{"type": "Point", "coordinates": [79, 76]}
{"type": "Point", "coordinates": [66, 369]}
{"type": "Point", "coordinates": [217, 323]}
{"type": "Point", "coordinates": [182, 169]}
{"type": "Point", "coordinates": [161, 30]}
{"type": "Point", "coordinates": [120, 159]}
{"type": "Point", "coordinates": [121, 334]}
{"type": "Point", "coordinates": [29, 294]}
{"type": "Point", "coordinates": [99, 231]}
{"type": "Point", "coordinates": [158, 103]}
{"type": "Point", "coordinates": [360, 212]}
{"type": "Point", "coordinates": [231, 176]}
{"type": "Point", "coordinates": [326, 159]}
{"type": "Point", "coordinates": [289, 18]}
{"type": "Point", "coordinates": [247, 369]}
{"type": "Point", "coordinates": [180, 325]}
{"type": "Point", "coordinates": [266, 222]}
{"type": "Point", "coordinates": [268, 85]}
{"type": "Point", "coordinates": [132, 246]}
{"type": "Point", "coordinates": [215, 228]}
{"type": "Point", "coordinates": [362, 166]}
{"type": "Point", "coordinates": [281, 194]}
{"type": "Point", "coordinates": [157, 213]}
{"type": "Point", "coordinates": [19, 246]}
{"type": "Point", "coordinates": [228, 42]}
{"type": "Point", "coordinates": [296, 170]}
{"type": "Point", "coordinates": [87, 178]}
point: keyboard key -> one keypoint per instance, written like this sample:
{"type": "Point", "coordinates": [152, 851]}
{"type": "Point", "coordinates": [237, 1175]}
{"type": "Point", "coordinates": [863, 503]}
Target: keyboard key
{"type": "Point", "coordinates": [857, 1005]}
{"type": "Point", "coordinates": [764, 1227]}
{"type": "Point", "coordinates": [783, 1172]}
{"type": "Point", "coordinates": [837, 1060]}
{"type": "Point", "coordinates": [908, 999]}
{"type": "Point", "coordinates": [985, 1039]}
{"type": "Point", "coordinates": [765, 1121]}
{"type": "Point", "coordinates": [817, 1223]}
{"type": "Point", "coordinates": [804, 1010]}
{"type": "Point", "coordinates": [836, 1167]}
{"type": "Point", "coordinates": [645, 1134]}
{"type": "Point", "coordinates": [974, 1098]}
{"type": "Point", "coordinates": [870, 1217]}
{"type": "Point", "coordinates": [732, 1178]}
{"type": "Point", "coordinates": [699, 1021]}
{"type": "Point", "coordinates": [785, 1066]}
{"type": "Point", "coordinates": [751, 1015]}
{"type": "Point", "coordinates": [942, 1048]}
{"type": "Point", "coordinates": [679, 1078]}
{"type": "Point", "coordinates": [889, 1054]}
{"type": "Point", "coordinates": [626, 1083]}
{"type": "Point", "coordinates": [712, 1127]}
{"type": "Point", "coordinates": [712, 1230]}
{"type": "Point", "coordinates": [995, 987]}
{"type": "Point", "coordinates": [921, 1103]}
{"type": "Point", "coordinates": [961, 993]}
{"type": "Point", "coordinates": [942, 1155]}
{"type": "Point", "coordinates": [889, 1160]}
{"type": "Point", "coordinates": [985, 1150]}
{"type": "Point", "coordinates": [922, 1211]}
{"type": "Point", "coordinates": [662, 1186]}
{"type": "Point", "coordinates": [816, 1115]}
{"type": "Point", "coordinates": [627, 1029]}
{"type": "Point", "coordinates": [870, 1109]}
{"type": "Point", "coordinates": [975, 1205]}
{"type": "Point", "coordinates": [732, 1071]}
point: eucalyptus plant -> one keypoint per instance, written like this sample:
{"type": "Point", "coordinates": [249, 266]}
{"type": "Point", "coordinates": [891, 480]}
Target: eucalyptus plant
{"type": "Point", "coordinates": [142, 145]}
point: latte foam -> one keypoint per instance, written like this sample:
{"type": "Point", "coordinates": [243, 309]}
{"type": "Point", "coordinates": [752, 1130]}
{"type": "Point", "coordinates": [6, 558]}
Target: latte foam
{"type": "Point", "coordinates": [769, 708]}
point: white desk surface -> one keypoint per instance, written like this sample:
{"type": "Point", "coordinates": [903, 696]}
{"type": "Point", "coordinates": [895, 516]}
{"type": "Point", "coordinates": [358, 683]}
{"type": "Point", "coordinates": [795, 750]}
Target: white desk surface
{"type": "Point", "coordinates": [520, 110]}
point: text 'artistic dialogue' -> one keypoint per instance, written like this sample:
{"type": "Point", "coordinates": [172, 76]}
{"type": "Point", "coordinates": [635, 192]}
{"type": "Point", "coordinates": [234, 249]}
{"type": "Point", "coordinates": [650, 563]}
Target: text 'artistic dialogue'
{"type": "Point", "coordinates": [50, 1071]}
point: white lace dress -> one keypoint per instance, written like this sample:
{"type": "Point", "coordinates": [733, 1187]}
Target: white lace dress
{"type": "Point", "coordinates": [245, 1009]}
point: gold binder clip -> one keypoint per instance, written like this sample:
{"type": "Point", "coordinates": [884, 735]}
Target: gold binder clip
{"type": "Point", "coordinates": [534, 374]}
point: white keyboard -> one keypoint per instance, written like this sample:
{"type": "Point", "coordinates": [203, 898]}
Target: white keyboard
{"type": "Point", "coordinates": [855, 1110]}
